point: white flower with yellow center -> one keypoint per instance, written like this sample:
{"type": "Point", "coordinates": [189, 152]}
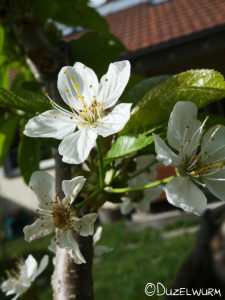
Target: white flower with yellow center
{"type": "Point", "coordinates": [58, 215]}
{"type": "Point", "coordinates": [88, 101]}
{"type": "Point", "coordinates": [199, 159]}
{"type": "Point", "coordinates": [20, 279]}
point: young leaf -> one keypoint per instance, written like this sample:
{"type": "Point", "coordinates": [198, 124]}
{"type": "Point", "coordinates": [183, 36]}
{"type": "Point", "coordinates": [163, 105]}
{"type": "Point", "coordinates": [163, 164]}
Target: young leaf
{"type": "Point", "coordinates": [199, 86]}
{"type": "Point", "coordinates": [139, 90]}
{"type": "Point", "coordinates": [28, 157]}
{"type": "Point", "coordinates": [31, 104]}
{"type": "Point", "coordinates": [128, 144]}
{"type": "Point", "coordinates": [7, 132]}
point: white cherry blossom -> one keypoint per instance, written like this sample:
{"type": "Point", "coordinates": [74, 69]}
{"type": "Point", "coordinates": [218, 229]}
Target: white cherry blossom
{"type": "Point", "coordinates": [99, 250]}
{"type": "Point", "coordinates": [147, 164]}
{"type": "Point", "coordinates": [20, 279]}
{"type": "Point", "coordinates": [199, 158]}
{"type": "Point", "coordinates": [58, 215]}
{"type": "Point", "coordinates": [88, 117]}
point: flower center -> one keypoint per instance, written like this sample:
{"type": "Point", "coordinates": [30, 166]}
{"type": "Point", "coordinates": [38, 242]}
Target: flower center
{"type": "Point", "coordinates": [61, 216]}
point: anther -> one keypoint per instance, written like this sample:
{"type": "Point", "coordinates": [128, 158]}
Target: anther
{"type": "Point", "coordinates": [212, 139]}
{"type": "Point", "coordinates": [194, 173]}
{"type": "Point", "coordinates": [189, 140]}
{"type": "Point", "coordinates": [54, 116]}
{"type": "Point", "coordinates": [218, 126]}
{"type": "Point", "coordinates": [209, 156]}
{"type": "Point", "coordinates": [46, 94]}
{"type": "Point", "coordinates": [197, 157]}
{"type": "Point", "coordinates": [106, 79]}
{"type": "Point", "coordinates": [71, 118]}
{"type": "Point", "coordinates": [64, 72]}
{"type": "Point", "coordinates": [204, 185]}
{"type": "Point", "coordinates": [187, 126]}
{"type": "Point", "coordinates": [90, 86]}
{"type": "Point", "coordinates": [44, 195]}
{"type": "Point", "coordinates": [50, 112]}
{"type": "Point", "coordinates": [84, 67]}
{"type": "Point", "coordinates": [66, 90]}
{"type": "Point", "coordinates": [71, 78]}
{"type": "Point", "coordinates": [37, 113]}
{"type": "Point", "coordinates": [62, 115]}
{"type": "Point", "coordinates": [181, 146]}
{"type": "Point", "coordinates": [51, 101]}
{"type": "Point", "coordinates": [37, 210]}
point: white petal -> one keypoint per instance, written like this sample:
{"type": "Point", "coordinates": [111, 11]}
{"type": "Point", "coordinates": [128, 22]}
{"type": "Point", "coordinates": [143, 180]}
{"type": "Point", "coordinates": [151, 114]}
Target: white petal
{"type": "Point", "coordinates": [97, 235]}
{"type": "Point", "coordinates": [31, 266]}
{"type": "Point", "coordinates": [76, 147]}
{"type": "Point", "coordinates": [8, 286]}
{"type": "Point", "coordinates": [87, 82]}
{"type": "Point", "coordinates": [183, 193]}
{"type": "Point", "coordinates": [101, 249]}
{"type": "Point", "coordinates": [71, 188]}
{"type": "Point", "coordinates": [164, 153]}
{"type": "Point", "coordinates": [50, 125]}
{"type": "Point", "coordinates": [214, 147]}
{"type": "Point", "coordinates": [183, 113]}
{"type": "Point", "coordinates": [43, 264]}
{"type": "Point", "coordinates": [113, 83]}
{"type": "Point", "coordinates": [43, 184]}
{"type": "Point", "coordinates": [36, 230]}
{"type": "Point", "coordinates": [85, 224]}
{"type": "Point", "coordinates": [114, 121]}
{"type": "Point", "coordinates": [67, 241]}
{"type": "Point", "coordinates": [127, 205]}
{"type": "Point", "coordinates": [216, 183]}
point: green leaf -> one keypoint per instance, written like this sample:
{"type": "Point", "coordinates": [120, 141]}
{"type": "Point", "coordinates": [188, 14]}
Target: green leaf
{"type": "Point", "coordinates": [127, 144]}
{"type": "Point", "coordinates": [1, 38]}
{"type": "Point", "coordinates": [96, 50]}
{"type": "Point", "coordinates": [72, 13]}
{"type": "Point", "coordinates": [137, 92]}
{"type": "Point", "coordinates": [28, 102]}
{"type": "Point", "coordinates": [7, 132]}
{"type": "Point", "coordinates": [199, 86]}
{"type": "Point", "coordinates": [28, 157]}
{"type": "Point", "coordinates": [4, 75]}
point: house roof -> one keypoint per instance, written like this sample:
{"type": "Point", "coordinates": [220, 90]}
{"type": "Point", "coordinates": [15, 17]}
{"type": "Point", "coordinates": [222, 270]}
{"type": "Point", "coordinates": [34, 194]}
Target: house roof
{"type": "Point", "coordinates": [146, 25]}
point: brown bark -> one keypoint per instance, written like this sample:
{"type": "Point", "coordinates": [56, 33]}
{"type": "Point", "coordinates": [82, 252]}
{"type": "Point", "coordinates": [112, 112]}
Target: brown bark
{"type": "Point", "coordinates": [69, 280]}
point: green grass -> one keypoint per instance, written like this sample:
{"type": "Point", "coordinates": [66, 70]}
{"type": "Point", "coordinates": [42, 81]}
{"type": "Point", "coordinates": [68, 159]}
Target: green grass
{"type": "Point", "coordinates": [137, 258]}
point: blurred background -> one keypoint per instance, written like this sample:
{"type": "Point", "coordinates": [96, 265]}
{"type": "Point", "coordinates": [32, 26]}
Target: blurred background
{"type": "Point", "coordinates": [158, 37]}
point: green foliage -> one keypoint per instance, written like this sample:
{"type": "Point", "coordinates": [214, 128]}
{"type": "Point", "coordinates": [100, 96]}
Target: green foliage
{"type": "Point", "coordinates": [7, 132]}
{"type": "Point", "coordinates": [199, 86]}
{"type": "Point", "coordinates": [1, 38]}
{"type": "Point", "coordinates": [28, 157]}
{"type": "Point", "coordinates": [31, 103]}
{"type": "Point", "coordinates": [96, 50]}
{"type": "Point", "coordinates": [128, 144]}
{"type": "Point", "coordinates": [137, 92]}
{"type": "Point", "coordinates": [71, 13]}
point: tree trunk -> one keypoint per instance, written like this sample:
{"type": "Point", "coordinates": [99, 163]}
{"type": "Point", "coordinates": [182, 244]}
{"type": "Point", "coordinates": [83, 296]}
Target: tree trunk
{"type": "Point", "coordinates": [69, 280]}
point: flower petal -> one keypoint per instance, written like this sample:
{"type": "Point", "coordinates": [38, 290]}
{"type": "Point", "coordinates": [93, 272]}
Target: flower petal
{"type": "Point", "coordinates": [113, 83]}
{"type": "Point", "coordinates": [213, 145]}
{"type": "Point", "coordinates": [43, 184]}
{"type": "Point", "coordinates": [97, 235]}
{"type": "Point", "coordinates": [85, 224]}
{"type": "Point", "coordinates": [183, 113]}
{"type": "Point", "coordinates": [164, 153]}
{"type": "Point", "coordinates": [71, 188]}
{"type": "Point", "coordinates": [183, 193]}
{"type": "Point", "coordinates": [216, 183]}
{"type": "Point", "coordinates": [101, 249]}
{"type": "Point", "coordinates": [76, 147]}
{"type": "Point", "coordinates": [67, 241]}
{"type": "Point", "coordinates": [40, 228]}
{"type": "Point", "coordinates": [31, 266]}
{"type": "Point", "coordinates": [50, 124]}
{"type": "Point", "coordinates": [114, 121]}
{"type": "Point", "coordinates": [86, 80]}
{"type": "Point", "coordinates": [126, 206]}
{"type": "Point", "coordinates": [43, 264]}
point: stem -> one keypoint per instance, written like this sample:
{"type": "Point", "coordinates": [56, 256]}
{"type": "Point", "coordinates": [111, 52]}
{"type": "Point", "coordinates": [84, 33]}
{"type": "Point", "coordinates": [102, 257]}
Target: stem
{"type": "Point", "coordinates": [85, 201]}
{"type": "Point", "coordinates": [109, 189]}
{"type": "Point", "coordinates": [101, 164]}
